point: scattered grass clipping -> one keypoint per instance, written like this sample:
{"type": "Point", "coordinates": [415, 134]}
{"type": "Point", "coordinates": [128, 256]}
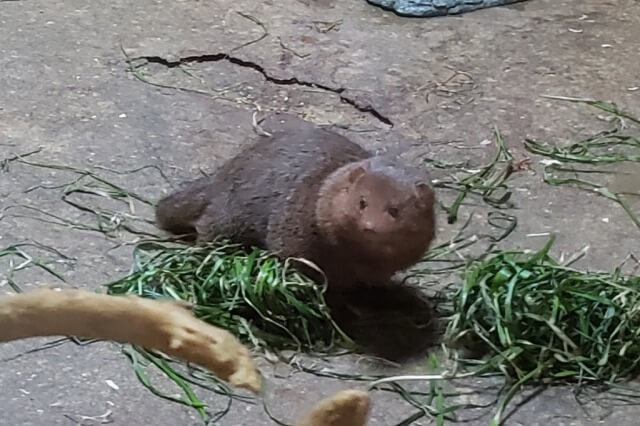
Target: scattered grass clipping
{"type": "Point", "coordinates": [260, 299]}
{"type": "Point", "coordinates": [608, 147]}
{"type": "Point", "coordinates": [488, 181]}
{"type": "Point", "coordinates": [543, 322]}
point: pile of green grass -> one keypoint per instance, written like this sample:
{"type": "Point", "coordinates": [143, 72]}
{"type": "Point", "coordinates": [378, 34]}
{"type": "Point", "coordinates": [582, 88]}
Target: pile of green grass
{"type": "Point", "coordinates": [548, 318]}
{"type": "Point", "coordinates": [540, 321]}
{"type": "Point", "coordinates": [262, 300]}
{"type": "Point", "coordinates": [259, 298]}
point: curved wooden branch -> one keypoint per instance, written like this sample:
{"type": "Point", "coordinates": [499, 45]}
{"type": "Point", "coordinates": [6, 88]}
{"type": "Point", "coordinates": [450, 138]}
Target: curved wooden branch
{"type": "Point", "coordinates": [161, 325]}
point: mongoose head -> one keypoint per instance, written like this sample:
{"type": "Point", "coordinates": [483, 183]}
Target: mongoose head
{"type": "Point", "coordinates": [386, 209]}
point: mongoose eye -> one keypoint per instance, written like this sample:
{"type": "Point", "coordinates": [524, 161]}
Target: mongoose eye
{"type": "Point", "coordinates": [393, 212]}
{"type": "Point", "coordinates": [363, 203]}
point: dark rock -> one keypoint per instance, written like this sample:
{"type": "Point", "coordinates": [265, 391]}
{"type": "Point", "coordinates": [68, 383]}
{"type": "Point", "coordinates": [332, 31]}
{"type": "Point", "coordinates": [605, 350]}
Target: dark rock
{"type": "Point", "coordinates": [429, 8]}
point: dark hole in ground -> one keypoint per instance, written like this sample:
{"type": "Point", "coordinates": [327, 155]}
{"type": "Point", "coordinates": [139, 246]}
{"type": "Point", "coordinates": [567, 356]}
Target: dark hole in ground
{"type": "Point", "coordinates": [395, 322]}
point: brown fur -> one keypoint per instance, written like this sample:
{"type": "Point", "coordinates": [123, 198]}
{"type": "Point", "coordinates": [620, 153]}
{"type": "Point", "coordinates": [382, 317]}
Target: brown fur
{"type": "Point", "coordinates": [312, 193]}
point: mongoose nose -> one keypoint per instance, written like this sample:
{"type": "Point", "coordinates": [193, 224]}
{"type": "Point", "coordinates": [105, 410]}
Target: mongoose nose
{"type": "Point", "coordinates": [368, 225]}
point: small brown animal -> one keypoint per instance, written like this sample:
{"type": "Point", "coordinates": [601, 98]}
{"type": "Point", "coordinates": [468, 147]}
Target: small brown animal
{"type": "Point", "coordinates": [312, 193]}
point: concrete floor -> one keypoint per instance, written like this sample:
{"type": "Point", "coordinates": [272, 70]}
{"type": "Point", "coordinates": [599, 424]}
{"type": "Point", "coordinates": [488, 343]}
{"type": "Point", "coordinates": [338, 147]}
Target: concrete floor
{"type": "Point", "coordinates": [378, 78]}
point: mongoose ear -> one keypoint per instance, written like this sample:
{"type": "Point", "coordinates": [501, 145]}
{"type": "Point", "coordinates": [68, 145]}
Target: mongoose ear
{"type": "Point", "coordinates": [356, 173]}
{"type": "Point", "coordinates": [424, 191]}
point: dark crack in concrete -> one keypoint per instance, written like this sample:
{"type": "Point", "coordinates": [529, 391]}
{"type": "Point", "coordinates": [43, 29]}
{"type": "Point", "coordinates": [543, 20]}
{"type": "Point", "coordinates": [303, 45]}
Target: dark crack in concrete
{"type": "Point", "coordinates": [215, 57]}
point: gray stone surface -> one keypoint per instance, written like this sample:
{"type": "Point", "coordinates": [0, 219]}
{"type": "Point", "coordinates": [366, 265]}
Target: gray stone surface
{"type": "Point", "coordinates": [431, 8]}
{"type": "Point", "coordinates": [443, 84]}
